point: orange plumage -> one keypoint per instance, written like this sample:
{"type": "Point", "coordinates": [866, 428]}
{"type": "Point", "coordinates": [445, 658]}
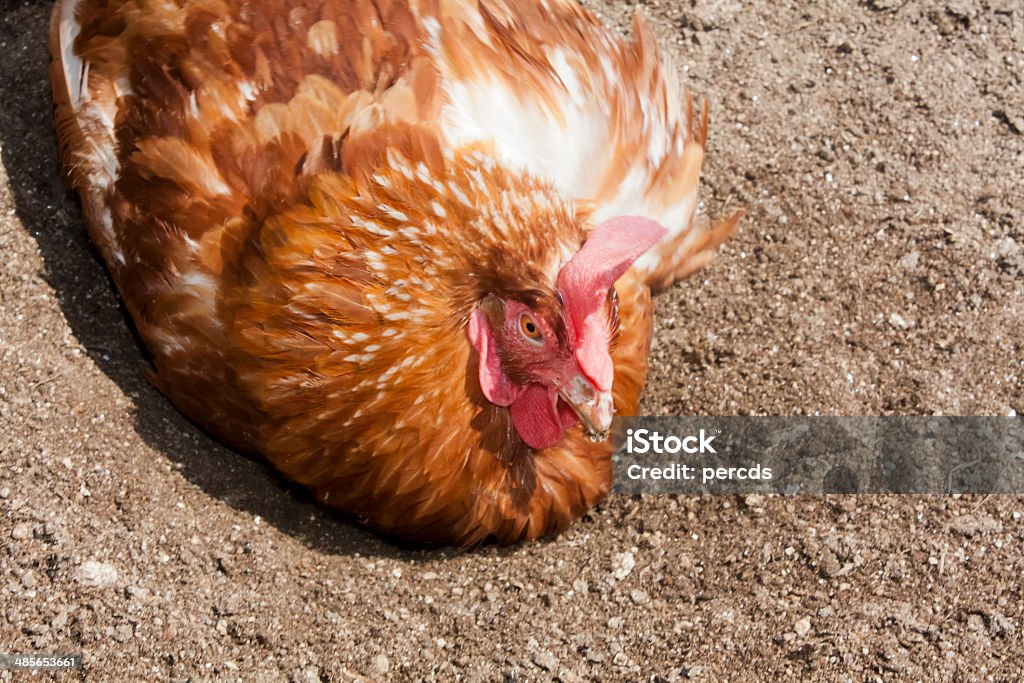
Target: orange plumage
{"type": "Point", "coordinates": [374, 241]}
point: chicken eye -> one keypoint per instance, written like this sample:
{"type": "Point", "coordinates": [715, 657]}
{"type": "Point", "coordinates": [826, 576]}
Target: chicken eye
{"type": "Point", "coordinates": [530, 329]}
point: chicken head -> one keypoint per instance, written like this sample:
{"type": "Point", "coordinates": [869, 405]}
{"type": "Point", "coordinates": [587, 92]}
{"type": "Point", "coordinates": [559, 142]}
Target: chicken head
{"type": "Point", "coordinates": [554, 367]}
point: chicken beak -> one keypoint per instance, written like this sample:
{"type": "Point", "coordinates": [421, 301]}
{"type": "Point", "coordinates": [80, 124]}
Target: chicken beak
{"type": "Point", "coordinates": [594, 408]}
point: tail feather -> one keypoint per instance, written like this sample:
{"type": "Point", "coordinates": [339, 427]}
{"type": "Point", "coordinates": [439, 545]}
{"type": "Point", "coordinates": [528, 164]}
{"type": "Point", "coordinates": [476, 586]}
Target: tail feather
{"type": "Point", "coordinates": [689, 251]}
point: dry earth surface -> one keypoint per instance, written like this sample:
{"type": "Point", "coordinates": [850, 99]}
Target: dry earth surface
{"type": "Point", "coordinates": [878, 149]}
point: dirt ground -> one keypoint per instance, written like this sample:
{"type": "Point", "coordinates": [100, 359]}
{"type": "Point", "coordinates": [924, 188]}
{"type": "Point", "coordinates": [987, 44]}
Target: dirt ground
{"type": "Point", "coordinates": [878, 149]}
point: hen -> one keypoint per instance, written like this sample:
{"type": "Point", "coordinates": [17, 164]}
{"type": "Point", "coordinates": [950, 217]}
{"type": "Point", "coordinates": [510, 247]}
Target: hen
{"type": "Point", "coordinates": [375, 241]}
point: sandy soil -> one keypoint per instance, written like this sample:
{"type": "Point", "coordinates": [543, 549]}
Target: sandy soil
{"type": "Point", "coordinates": [878, 148]}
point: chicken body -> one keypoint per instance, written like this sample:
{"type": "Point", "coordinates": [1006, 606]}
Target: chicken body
{"type": "Point", "coordinates": [304, 204]}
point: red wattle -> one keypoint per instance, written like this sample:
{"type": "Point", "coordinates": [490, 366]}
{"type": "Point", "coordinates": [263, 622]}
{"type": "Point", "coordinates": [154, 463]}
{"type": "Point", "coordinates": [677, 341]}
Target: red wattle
{"type": "Point", "coordinates": [536, 418]}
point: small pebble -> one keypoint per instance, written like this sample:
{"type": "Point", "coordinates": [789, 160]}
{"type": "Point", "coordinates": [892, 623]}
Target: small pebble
{"type": "Point", "coordinates": [98, 574]}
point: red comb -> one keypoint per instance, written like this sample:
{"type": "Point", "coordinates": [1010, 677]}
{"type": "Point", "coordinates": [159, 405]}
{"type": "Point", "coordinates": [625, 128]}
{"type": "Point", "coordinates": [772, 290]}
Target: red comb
{"type": "Point", "coordinates": [610, 249]}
